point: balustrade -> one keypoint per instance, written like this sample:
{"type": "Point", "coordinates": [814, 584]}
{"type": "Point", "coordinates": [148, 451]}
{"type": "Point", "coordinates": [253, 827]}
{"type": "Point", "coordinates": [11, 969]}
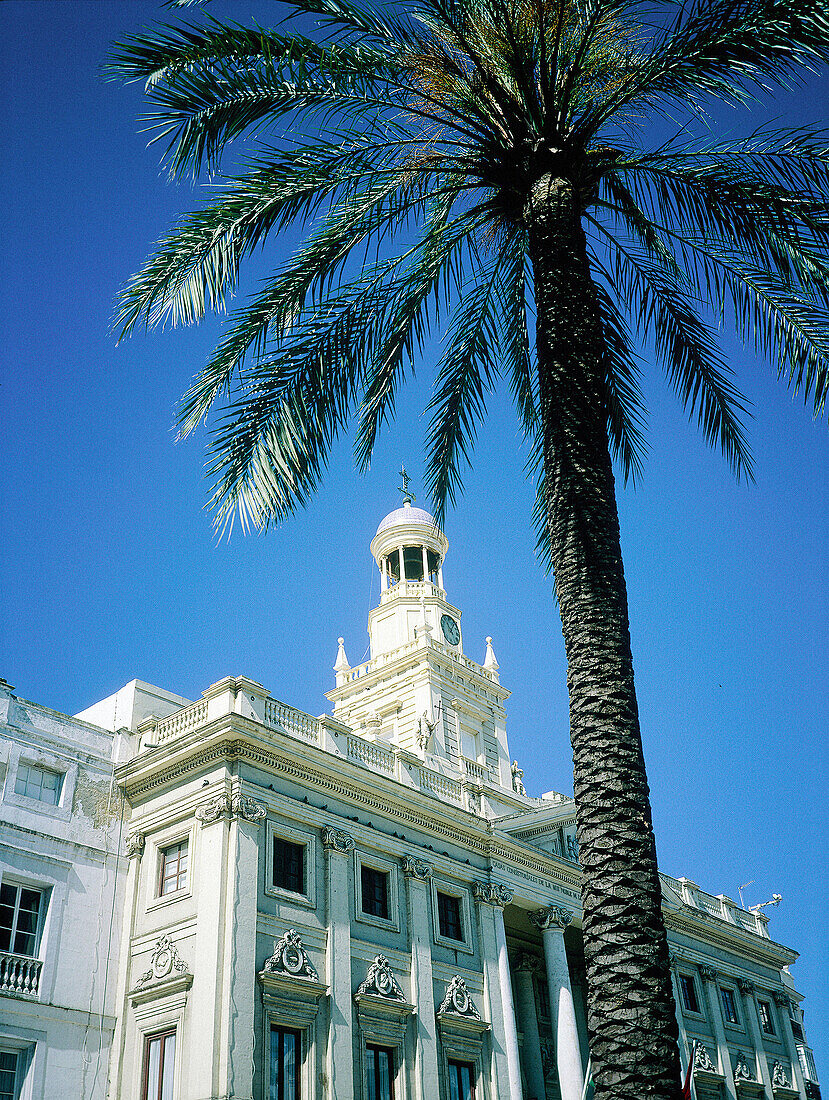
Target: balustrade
{"type": "Point", "coordinates": [19, 974]}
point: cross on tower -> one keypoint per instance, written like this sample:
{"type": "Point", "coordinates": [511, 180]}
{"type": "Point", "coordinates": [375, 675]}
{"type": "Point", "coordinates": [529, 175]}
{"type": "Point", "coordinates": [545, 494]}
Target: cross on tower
{"type": "Point", "coordinates": [408, 497]}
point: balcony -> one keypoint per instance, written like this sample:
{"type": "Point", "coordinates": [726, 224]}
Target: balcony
{"type": "Point", "coordinates": [19, 975]}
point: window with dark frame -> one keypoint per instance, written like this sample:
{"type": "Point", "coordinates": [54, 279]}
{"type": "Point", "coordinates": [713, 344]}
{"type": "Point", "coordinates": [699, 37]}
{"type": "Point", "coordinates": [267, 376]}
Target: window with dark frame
{"type": "Point", "coordinates": [375, 891]}
{"type": "Point", "coordinates": [449, 917]}
{"type": "Point", "coordinates": [286, 1059]}
{"type": "Point", "coordinates": [688, 992]}
{"type": "Point", "coordinates": [20, 913]}
{"type": "Point", "coordinates": [766, 1019]}
{"type": "Point", "coordinates": [159, 1065]}
{"type": "Point", "coordinates": [729, 1006]}
{"type": "Point", "coordinates": [288, 865]}
{"type": "Point", "coordinates": [8, 1074]}
{"type": "Point", "coordinates": [461, 1081]}
{"type": "Point", "coordinates": [172, 868]}
{"type": "Point", "coordinates": [380, 1072]}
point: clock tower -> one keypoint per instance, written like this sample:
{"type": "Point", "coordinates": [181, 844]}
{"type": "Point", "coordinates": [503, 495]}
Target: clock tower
{"type": "Point", "coordinates": [418, 691]}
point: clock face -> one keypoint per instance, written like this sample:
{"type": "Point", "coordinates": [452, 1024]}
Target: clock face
{"type": "Point", "coordinates": [451, 631]}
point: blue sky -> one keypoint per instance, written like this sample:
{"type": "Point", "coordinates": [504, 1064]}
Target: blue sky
{"type": "Point", "coordinates": [110, 569]}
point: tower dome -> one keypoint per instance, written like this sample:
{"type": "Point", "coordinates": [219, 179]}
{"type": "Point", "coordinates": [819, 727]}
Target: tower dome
{"type": "Point", "coordinates": [409, 547]}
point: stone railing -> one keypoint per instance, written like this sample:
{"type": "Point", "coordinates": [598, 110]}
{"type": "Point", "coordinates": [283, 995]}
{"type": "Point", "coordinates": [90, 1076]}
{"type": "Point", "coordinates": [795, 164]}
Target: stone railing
{"type": "Point", "coordinates": [372, 755]}
{"type": "Point", "coordinates": [423, 642]}
{"type": "Point", "coordinates": [447, 790]}
{"type": "Point", "coordinates": [19, 975]}
{"type": "Point", "coordinates": [250, 701]}
{"type": "Point", "coordinates": [181, 722]}
{"type": "Point", "coordinates": [720, 907]}
{"type": "Point", "coordinates": [279, 716]}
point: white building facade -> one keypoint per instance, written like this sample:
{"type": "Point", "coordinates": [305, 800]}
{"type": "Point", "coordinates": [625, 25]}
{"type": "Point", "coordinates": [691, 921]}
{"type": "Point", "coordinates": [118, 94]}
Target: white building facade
{"type": "Point", "coordinates": [366, 905]}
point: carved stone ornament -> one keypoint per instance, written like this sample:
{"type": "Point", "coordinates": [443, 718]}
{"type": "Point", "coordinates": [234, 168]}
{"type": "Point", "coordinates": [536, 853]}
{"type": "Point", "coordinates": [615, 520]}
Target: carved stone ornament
{"type": "Point", "coordinates": [528, 963]}
{"type": "Point", "coordinates": [380, 981]}
{"type": "Point", "coordinates": [457, 1001]}
{"type": "Point", "coordinates": [778, 1077]}
{"type": "Point", "coordinates": [248, 808]}
{"type": "Point", "coordinates": [554, 916]}
{"type": "Point", "coordinates": [702, 1059]}
{"type": "Point", "coordinates": [742, 1072]}
{"type": "Point", "coordinates": [745, 986]}
{"type": "Point", "coordinates": [781, 998]}
{"type": "Point", "coordinates": [492, 893]}
{"type": "Point", "coordinates": [290, 957]}
{"type": "Point", "coordinates": [164, 963]}
{"type": "Point", "coordinates": [335, 840]}
{"type": "Point", "coordinates": [135, 845]}
{"type": "Point", "coordinates": [222, 806]}
{"type": "Point", "coordinates": [214, 809]}
{"type": "Point", "coordinates": [707, 973]}
{"type": "Point", "coordinates": [416, 868]}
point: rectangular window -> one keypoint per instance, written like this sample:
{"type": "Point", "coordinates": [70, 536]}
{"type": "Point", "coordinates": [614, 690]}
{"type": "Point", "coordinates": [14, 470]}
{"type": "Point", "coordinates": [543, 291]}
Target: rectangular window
{"type": "Point", "coordinates": [159, 1066]}
{"type": "Point", "coordinates": [39, 783]}
{"type": "Point", "coordinates": [380, 1073]}
{"type": "Point", "coordinates": [289, 865]}
{"type": "Point", "coordinates": [20, 913]}
{"type": "Point", "coordinates": [766, 1021]}
{"type": "Point", "coordinates": [286, 1057]}
{"type": "Point", "coordinates": [729, 1006]}
{"type": "Point", "coordinates": [8, 1075]}
{"type": "Point", "coordinates": [172, 868]}
{"type": "Point", "coordinates": [449, 917]}
{"type": "Point", "coordinates": [688, 992]}
{"type": "Point", "coordinates": [375, 891]}
{"type": "Point", "coordinates": [461, 1081]}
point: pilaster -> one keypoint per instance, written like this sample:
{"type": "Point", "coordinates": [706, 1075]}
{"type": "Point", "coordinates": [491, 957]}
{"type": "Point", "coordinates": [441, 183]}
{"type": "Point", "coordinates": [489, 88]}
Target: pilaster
{"type": "Point", "coordinates": [417, 874]}
{"type": "Point", "coordinates": [750, 1012]}
{"type": "Point", "coordinates": [338, 846]}
{"type": "Point", "coordinates": [709, 981]}
{"type": "Point", "coordinates": [783, 1001]}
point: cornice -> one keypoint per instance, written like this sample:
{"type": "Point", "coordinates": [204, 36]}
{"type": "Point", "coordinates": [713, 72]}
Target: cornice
{"type": "Point", "coordinates": [735, 940]}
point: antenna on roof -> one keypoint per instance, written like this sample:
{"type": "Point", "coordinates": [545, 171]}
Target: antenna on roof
{"type": "Point", "coordinates": [740, 891]}
{"type": "Point", "coordinates": [775, 900]}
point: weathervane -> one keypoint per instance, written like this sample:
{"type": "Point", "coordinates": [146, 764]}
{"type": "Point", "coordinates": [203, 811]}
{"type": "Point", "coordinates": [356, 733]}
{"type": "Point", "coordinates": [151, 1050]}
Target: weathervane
{"type": "Point", "coordinates": [408, 497]}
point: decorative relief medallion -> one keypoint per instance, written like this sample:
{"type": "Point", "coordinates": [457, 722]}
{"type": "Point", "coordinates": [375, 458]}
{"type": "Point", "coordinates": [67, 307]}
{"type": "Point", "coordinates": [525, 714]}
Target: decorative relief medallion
{"type": "Point", "coordinates": [335, 840]}
{"type": "Point", "coordinates": [554, 916]}
{"type": "Point", "coordinates": [290, 957]}
{"type": "Point", "coordinates": [415, 867]}
{"type": "Point", "coordinates": [742, 1072]}
{"type": "Point", "coordinates": [457, 1001]}
{"type": "Point", "coordinates": [380, 981]}
{"type": "Point", "coordinates": [707, 973]}
{"type": "Point", "coordinates": [778, 1077]}
{"type": "Point", "coordinates": [702, 1059]}
{"type": "Point", "coordinates": [164, 961]}
{"type": "Point", "coordinates": [492, 893]}
{"type": "Point", "coordinates": [135, 845]}
{"type": "Point", "coordinates": [745, 986]}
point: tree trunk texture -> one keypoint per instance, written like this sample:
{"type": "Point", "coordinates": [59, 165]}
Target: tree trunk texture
{"type": "Point", "coordinates": [630, 1012]}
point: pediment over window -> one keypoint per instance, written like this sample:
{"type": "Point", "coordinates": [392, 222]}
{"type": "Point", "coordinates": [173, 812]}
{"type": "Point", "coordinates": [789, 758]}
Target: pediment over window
{"type": "Point", "coordinates": [168, 975]}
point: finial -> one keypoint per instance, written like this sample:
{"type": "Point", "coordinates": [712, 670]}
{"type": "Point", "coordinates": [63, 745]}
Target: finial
{"type": "Point", "coordinates": [408, 497]}
{"type": "Point", "coordinates": [490, 664]}
{"type": "Point", "coordinates": [341, 665]}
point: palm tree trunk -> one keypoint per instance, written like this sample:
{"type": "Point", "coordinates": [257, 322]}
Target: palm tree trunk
{"type": "Point", "coordinates": [630, 1012]}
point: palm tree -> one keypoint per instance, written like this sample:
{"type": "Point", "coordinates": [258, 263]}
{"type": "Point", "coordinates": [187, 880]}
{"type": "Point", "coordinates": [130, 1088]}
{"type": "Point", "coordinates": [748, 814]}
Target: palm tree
{"type": "Point", "coordinates": [481, 167]}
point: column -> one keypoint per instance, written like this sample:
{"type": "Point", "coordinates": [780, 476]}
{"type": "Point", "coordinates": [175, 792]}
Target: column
{"type": "Point", "coordinates": [118, 1071]}
{"type": "Point", "coordinates": [750, 1013]}
{"type": "Point", "coordinates": [400, 564]}
{"type": "Point", "coordinates": [417, 874]}
{"type": "Point", "coordinates": [709, 981]}
{"type": "Point", "coordinates": [525, 970]}
{"type": "Point", "coordinates": [783, 1002]}
{"type": "Point", "coordinates": [339, 1056]}
{"type": "Point", "coordinates": [492, 897]}
{"type": "Point", "coordinates": [552, 921]}
{"type": "Point", "coordinates": [425, 563]}
{"type": "Point", "coordinates": [680, 1020]}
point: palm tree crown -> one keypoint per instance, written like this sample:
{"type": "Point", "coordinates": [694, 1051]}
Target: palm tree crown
{"type": "Point", "coordinates": [480, 168]}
